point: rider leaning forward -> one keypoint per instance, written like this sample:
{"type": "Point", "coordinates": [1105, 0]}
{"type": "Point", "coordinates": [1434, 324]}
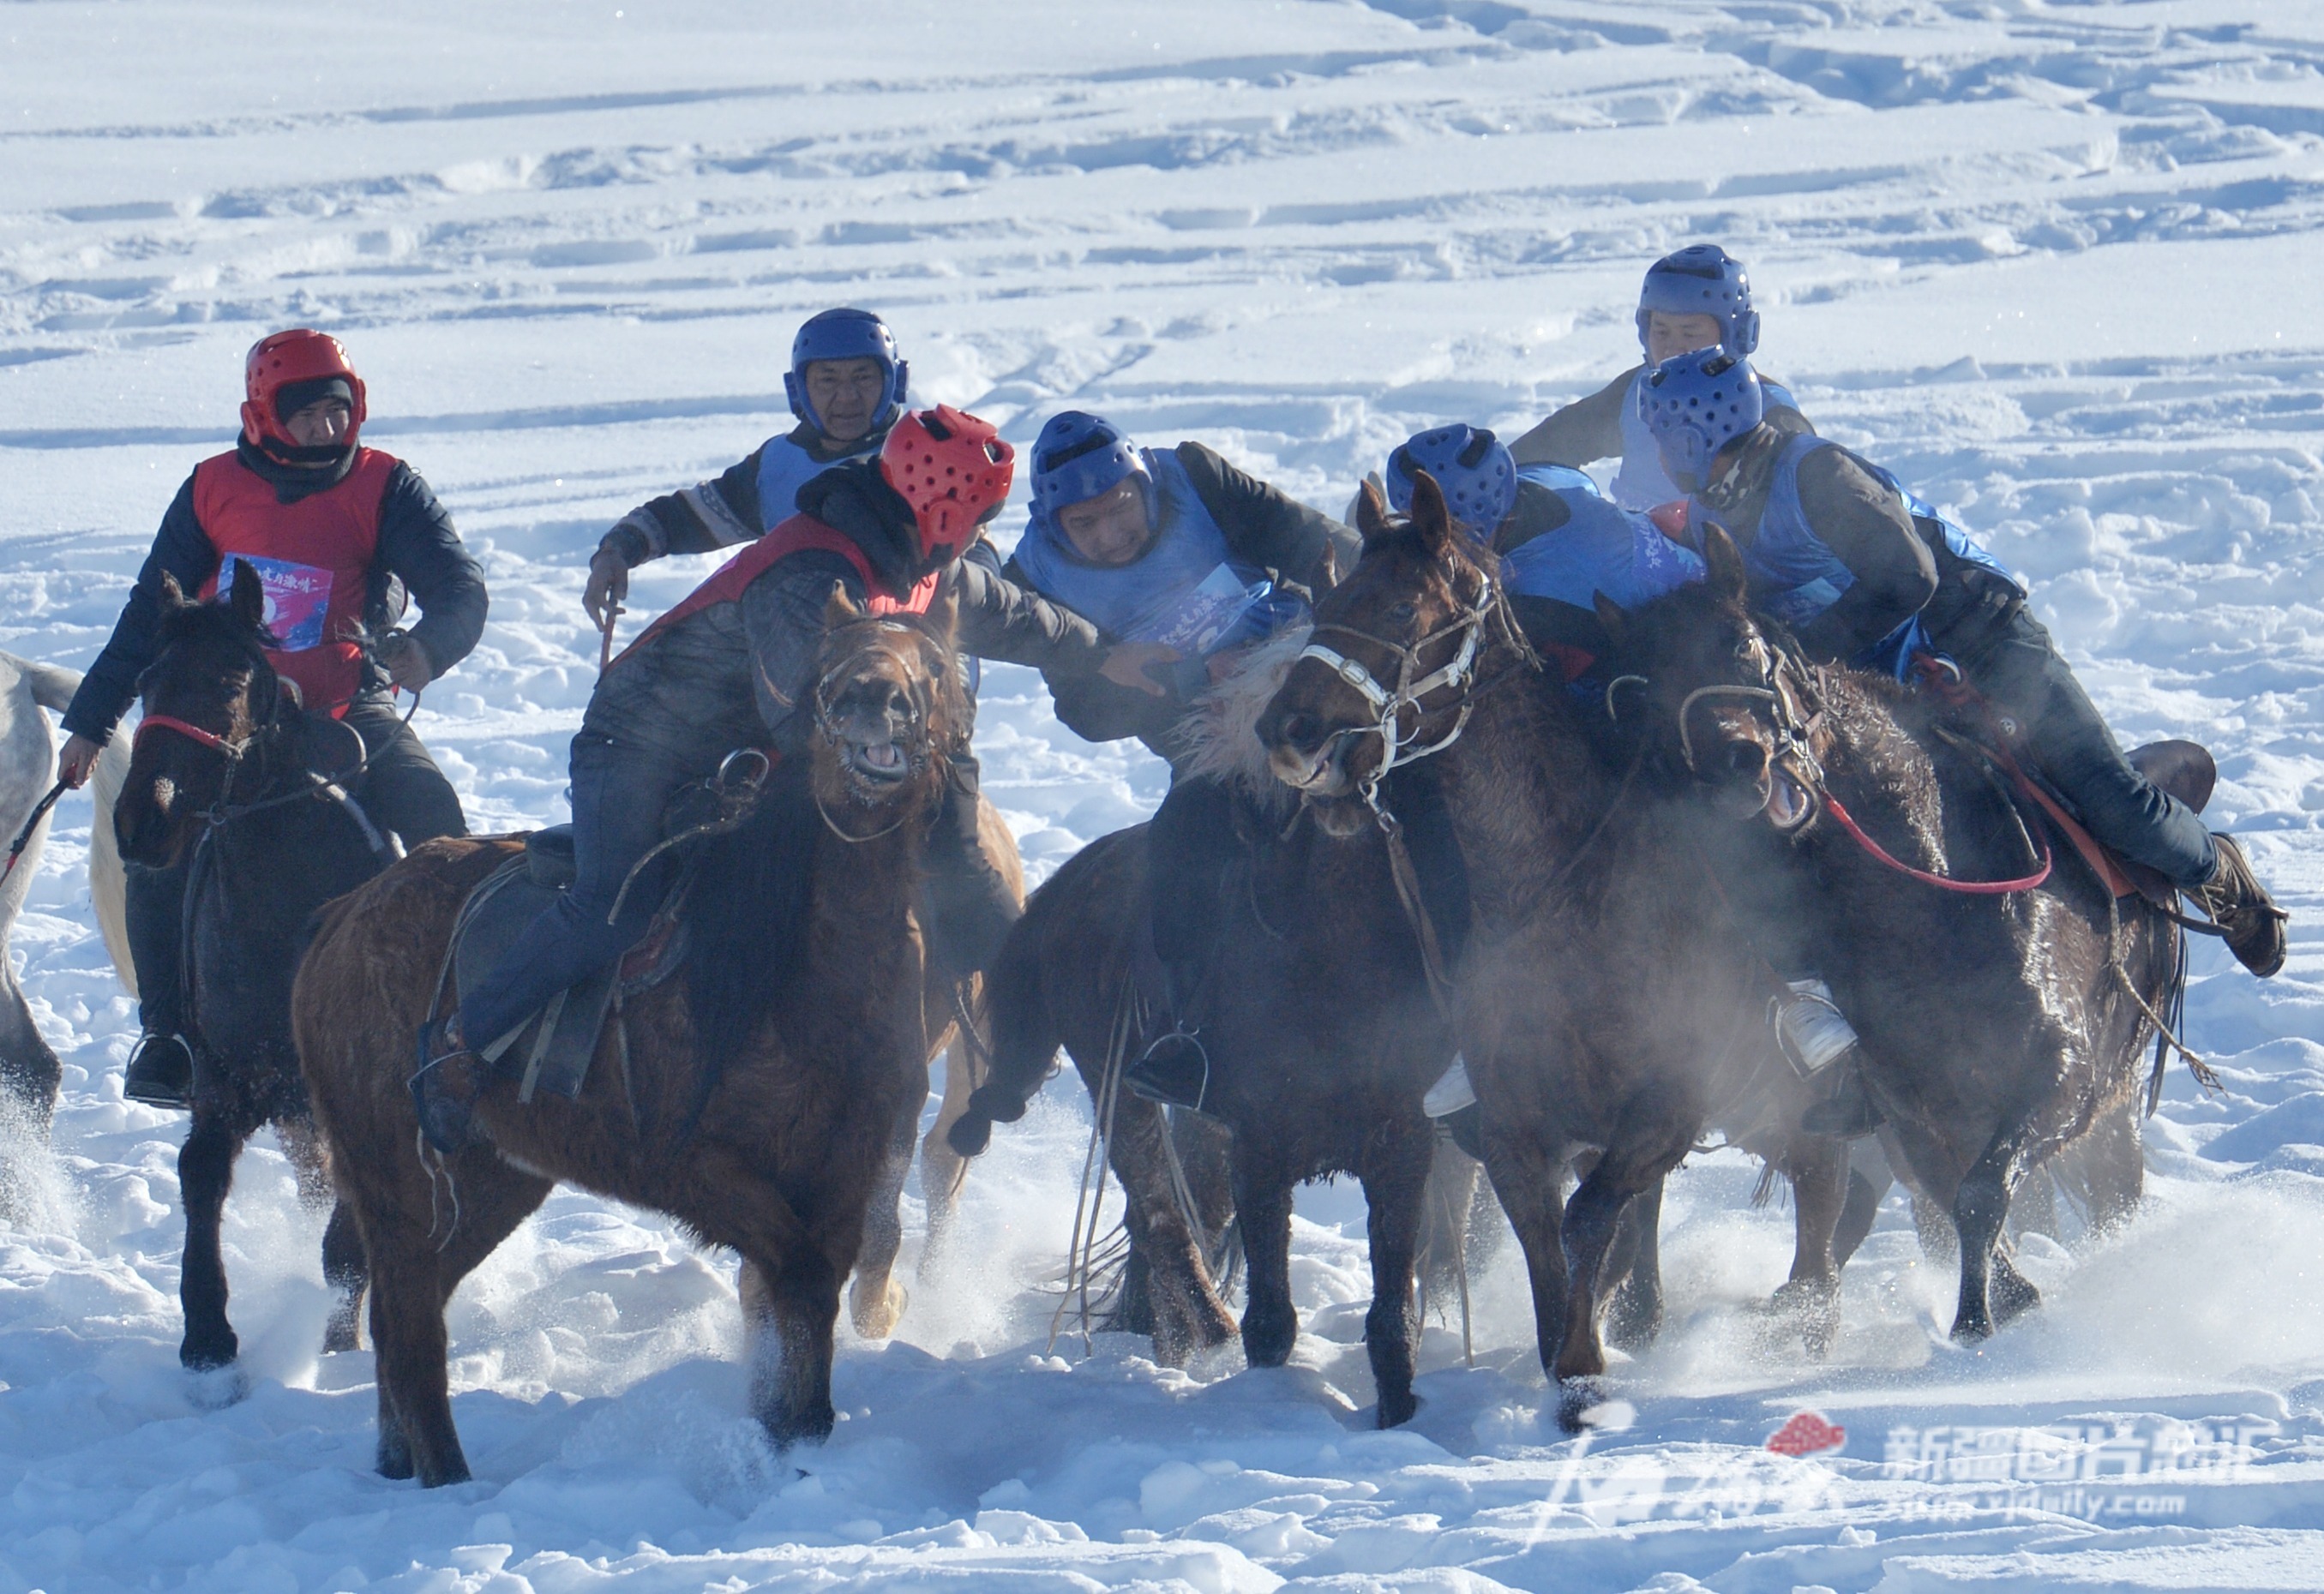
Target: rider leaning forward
{"type": "Point", "coordinates": [728, 668]}
{"type": "Point", "coordinates": [337, 534]}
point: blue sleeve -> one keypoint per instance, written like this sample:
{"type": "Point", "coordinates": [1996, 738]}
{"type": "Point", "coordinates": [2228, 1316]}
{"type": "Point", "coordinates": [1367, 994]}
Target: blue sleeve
{"type": "Point", "coordinates": [182, 549]}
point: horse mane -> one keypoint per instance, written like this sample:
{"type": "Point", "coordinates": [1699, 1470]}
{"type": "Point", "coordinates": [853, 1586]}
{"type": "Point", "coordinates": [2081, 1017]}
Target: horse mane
{"type": "Point", "coordinates": [746, 918]}
{"type": "Point", "coordinates": [1220, 734]}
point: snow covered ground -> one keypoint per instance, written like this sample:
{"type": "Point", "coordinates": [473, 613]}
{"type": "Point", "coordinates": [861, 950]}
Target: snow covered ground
{"type": "Point", "coordinates": [2055, 264]}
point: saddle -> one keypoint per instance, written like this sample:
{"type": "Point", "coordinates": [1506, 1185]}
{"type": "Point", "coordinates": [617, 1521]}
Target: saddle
{"type": "Point", "coordinates": [2185, 770]}
{"type": "Point", "coordinates": [552, 1048]}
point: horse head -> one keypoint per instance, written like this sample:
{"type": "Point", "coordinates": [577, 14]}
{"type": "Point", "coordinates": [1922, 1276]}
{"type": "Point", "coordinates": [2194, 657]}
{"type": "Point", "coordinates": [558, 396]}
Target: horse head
{"type": "Point", "coordinates": [890, 713]}
{"type": "Point", "coordinates": [1723, 696]}
{"type": "Point", "coordinates": [211, 701]}
{"type": "Point", "coordinates": [1387, 676]}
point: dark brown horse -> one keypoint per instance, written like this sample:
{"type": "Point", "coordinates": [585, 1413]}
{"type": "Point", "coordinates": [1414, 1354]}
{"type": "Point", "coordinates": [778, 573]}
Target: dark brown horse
{"type": "Point", "coordinates": [1319, 1030]}
{"type": "Point", "coordinates": [220, 781]}
{"type": "Point", "coordinates": [1996, 1026]}
{"type": "Point", "coordinates": [1608, 1000]}
{"type": "Point", "coordinates": [753, 1099]}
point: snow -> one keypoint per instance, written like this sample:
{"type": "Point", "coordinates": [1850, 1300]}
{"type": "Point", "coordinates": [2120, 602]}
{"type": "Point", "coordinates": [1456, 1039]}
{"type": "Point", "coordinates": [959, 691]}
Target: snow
{"type": "Point", "coordinates": [2052, 262]}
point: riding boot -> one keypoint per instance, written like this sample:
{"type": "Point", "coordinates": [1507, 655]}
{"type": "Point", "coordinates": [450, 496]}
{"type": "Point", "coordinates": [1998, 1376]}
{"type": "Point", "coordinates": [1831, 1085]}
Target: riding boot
{"type": "Point", "coordinates": [445, 1088]}
{"type": "Point", "coordinates": [161, 1067]}
{"type": "Point", "coordinates": [1822, 1049]}
{"type": "Point", "coordinates": [1846, 1114]}
{"type": "Point", "coordinates": [2240, 905]}
{"type": "Point", "coordinates": [972, 907]}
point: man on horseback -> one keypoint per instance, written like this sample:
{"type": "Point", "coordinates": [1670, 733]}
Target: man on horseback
{"type": "Point", "coordinates": [1183, 562]}
{"type": "Point", "coordinates": [846, 385]}
{"type": "Point", "coordinates": [728, 669]}
{"type": "Point", "coordinates": [1696, 299]}
{"type": "Point", "coordinates": [1863, 571]}
{"type": "Point", "coordinates": [337, 534]}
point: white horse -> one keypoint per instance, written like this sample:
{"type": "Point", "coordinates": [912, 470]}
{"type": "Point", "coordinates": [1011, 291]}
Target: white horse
{"type": "Point", "coordinates": [30, 1073]}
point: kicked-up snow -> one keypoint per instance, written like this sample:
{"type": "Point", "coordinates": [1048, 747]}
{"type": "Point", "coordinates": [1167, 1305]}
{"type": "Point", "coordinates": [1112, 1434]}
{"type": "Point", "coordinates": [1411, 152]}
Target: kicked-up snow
{"type": "Point", "coordinates": [2056, 265]}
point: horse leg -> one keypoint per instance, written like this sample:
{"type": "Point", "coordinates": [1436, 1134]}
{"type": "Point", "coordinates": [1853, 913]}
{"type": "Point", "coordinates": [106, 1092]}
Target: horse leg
{"type": "Point", "coordinates": [1271, 1323]}
{"type": "Point", "coordinates": [789, 1307]}
{"type": "Point", "coordinates": [1643, 1151]}
{"type": "Point", "coordinates": [1818, 1170]}
{"type": "Point", "coordinates": [1992, 1291]}
{"type": "Point", "coordinates": [1444, 1221]}
{"type": "Point", "coordinates": [346, 1271]}
{"type": "Point", "coordinates": [1868, 1178]}
{"type": "Point", "coordinates": [943, 1170]}
{"type": "Point", "coordinates": [204, 1174]}
{"type": "Point", "coordinates": [30, 1075]}
{"type": "Point", "coordinates": [875, 1300]}
{"type": "Point", "coordinates": [1188, 1315]}
{"type": "Point", "coordinates": [2115, 1168]}
{"type": "Point", "coordinates": [1395, 1177]}
{"type": "Point", "coordinates": [1634, 1312]}
{"type": "Point", "coordinates": [1527, 1177]}
{"type": "Point", "coordinates": [1205, 1149]}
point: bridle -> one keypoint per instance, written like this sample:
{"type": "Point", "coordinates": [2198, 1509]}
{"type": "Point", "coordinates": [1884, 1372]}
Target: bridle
{"type": "Point", "coordinates": [1794, 728]}
{"type": "Point", "coordinates": [915, 738]}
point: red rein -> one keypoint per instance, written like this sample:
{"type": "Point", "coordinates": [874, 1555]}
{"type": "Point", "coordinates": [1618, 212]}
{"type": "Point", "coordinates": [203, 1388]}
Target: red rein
{"type": "Point", "coordinates": [1847, 822]}
{"type": "Point", "coordinates": [210, 739]}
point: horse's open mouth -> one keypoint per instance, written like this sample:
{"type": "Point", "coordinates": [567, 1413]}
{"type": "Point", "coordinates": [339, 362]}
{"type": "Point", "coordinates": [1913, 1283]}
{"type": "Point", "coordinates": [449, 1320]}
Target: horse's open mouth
{"type": "Point", "coordinates": [1788, 806]}
{"type": "Point", "coordinates": [880, 763]}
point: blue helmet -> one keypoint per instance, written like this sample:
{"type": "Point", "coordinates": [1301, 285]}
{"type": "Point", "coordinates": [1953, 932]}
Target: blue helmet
{"type": "Point", "coordinates": [1703, 280]}
{"type": "Point", "coordinates": [1696, 405]}
{"type": "Point", "coordinates": [1077, 456]}
{"type": "Point", "coordinates": [846, 335]}
{"type": "Point", "coordinates": [1472, 469]}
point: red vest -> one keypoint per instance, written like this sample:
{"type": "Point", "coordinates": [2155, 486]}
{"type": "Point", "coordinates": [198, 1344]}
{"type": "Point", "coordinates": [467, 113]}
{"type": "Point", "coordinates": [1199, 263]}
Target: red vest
{"type": "Point", "coordinates": [314, 558]}
{"type": "Point", "coordinates": [796, 535]}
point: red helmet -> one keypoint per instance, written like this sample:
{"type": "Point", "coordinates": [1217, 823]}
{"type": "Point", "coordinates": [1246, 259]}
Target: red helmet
{"type": "Point", "coordinates": [281, 358]}
{"type": "Point", "coordinates": [953, 469]}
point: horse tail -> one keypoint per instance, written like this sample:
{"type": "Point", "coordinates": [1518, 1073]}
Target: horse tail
{"type": "Point", "coordinates": [1024, 1029]}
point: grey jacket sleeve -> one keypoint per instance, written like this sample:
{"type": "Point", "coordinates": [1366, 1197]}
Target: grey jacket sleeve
{"type": "Point", "coordinates": [1017, 625]}
{"type": "Point", "coordinates": [698, 519]}
{"type": "Point", "coordinates": [1860, 518]}
{"type": "Point", "coordinates": [1585, 430]}
{"type": "Point", "coordinates": [1266, 526]}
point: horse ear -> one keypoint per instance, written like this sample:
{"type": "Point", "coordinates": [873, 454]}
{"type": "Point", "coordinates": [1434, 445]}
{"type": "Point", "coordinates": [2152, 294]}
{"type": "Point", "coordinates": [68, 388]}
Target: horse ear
{"type": "Point", "coordinates": [1727, 579]}
{"type": "Point", "coordinates": [839, 609]}
{"type": "Point", "coordinates": [1612, 619]}
{"type": "Point", "coordinates": [173, 596]}
{"type": "Point", "coordinates": [1372, 513]}
{"type": "Point", "coordinates": [1430, 518]}
{"type": "Point", "coordinates": [248, 598]}
{"type": "Point", "coordinates": [942, 618]}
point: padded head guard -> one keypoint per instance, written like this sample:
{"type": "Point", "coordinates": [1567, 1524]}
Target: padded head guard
{"type": "Point", "coordinates": [1703, 280]}
{"type": "Point", "coordinates": [1696, 405]}
{"type": "Point", "coordinates": [291, 359]}
{"type": "Point", "coordinates": [953, 469]}
{"type": "Point", "coordinates": [1472, 468]}
{"type": "Point", "coordinates": [846, 335]}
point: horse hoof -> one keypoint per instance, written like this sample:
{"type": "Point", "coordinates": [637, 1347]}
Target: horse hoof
{"type": "Point", "coordinates": [1397, 1408]}
{"type": "Point", "coordinates": [1267, 1343]}
{"type": "Point", "coordinates": [876, 1320]}
{"type": "Point", "coordinates": [215, 1389]}
{"type": "Point", "coordinates": [1585, 1403]}
{"type": "Point", "coordinates": [1812, 1306]}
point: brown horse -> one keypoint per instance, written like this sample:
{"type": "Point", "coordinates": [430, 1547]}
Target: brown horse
{"type": "Point", "coordinates": [1319, 1030]}
{"type": "Point", "coordinates": [753, 1099]}
{"type": "Point", "coordinates": [1608, 1000]}
{"type": "Point", "coordinates": [1997, 1028]}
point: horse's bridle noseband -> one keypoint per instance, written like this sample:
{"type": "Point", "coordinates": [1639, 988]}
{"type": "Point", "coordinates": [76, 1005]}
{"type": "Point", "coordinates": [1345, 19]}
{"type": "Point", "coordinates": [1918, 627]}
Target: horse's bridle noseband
{"type": "Point", "coordinates": [1794, 755]}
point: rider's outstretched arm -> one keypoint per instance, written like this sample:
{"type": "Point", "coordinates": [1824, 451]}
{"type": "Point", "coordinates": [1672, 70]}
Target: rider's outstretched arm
{"type": "Point", "coordinates": [1860, 518]}
{"type": "Point", "coordinates": [1266, 526]}
{"type": "Point", "coordinates": [1587, 429]}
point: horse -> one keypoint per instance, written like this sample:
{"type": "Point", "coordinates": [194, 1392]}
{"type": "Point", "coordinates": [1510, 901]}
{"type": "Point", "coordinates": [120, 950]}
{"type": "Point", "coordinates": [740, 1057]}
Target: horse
{"type": "Point", "coordinates": [30, 1073]}
{"type": "Point", "coordinates": [753, 1099]}
{"type": "Point", "coordinates": [1607, 999]}
{"type": "Point", "coordinates": [1320, 1032]}
{"type": "Point", "coordinates": [219, 778]}
{"type": "Point", "coordinates": [2001, 1020]}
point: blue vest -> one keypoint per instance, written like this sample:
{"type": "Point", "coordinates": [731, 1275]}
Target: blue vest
{"type": "Point", "coordinates": [1641, 483]}
{"type": "Point", "coordinates": [1152, 597]}
{"type": "Point", "coordinates": [1795, 577]}
{"type": "Point", "coordinates": [784, 467]}
{"type": "Point", "coordinates": [1600, 549]}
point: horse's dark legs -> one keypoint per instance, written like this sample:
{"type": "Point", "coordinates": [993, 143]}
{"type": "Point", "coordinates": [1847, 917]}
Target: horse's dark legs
{"type": "Point", "coordinates": [875, 1301]}
{"type": "Point", "coordinates": [1396, 1195]}
{"type": "Point", "coordinates": [1187, 1314]}
{"type": "Point", "coordinates": [205, 1174]}
{"type": "Point", "coordinates": [1992, 1291]}
{"type": "Point", "coordinates": [346, 1272]}
{"type": "Point", "coordinates": [790, 1307]}
{"type": "Point", "coordinates": [2113, 1168]}
{"type": "Point", "coordinates": [1529, 1183]}
{"type": "Point", "coordinates": [1270, 1323]}
{"type": "Point", "coordinates": [1818, 1170]}
{"type": "Point", "coordinates": [1867, 1185]}
{"type": "Point", "coordinates": [1634, 1312]}
{"type": "Point", "coordinates": [1647, 1144]}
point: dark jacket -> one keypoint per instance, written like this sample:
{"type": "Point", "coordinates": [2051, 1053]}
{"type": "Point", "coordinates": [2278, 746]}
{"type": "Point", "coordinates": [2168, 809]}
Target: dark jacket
{"type": "Point", "coordinates": [418, 551]}
{"type": "Point", "coordinates": [1590, 430]}
{"type": "Point", "coordinates": [721, 512]}
{"type": "Point", "coordinates": [734, 675]}
{"type": "Point", "coordinates": [1265, 528]}
{"type": "Point", "coordinates": [1856, 515]}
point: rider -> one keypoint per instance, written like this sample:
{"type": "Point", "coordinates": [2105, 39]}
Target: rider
{"type": "Point", "coordinates": [336, 532]}
{"type": "Point", "coordinates": [846, 385]}
{"type": "Point", "coordinates": [1862, 570]}
{"type": "Point", "coordinates": [1696, 299]}
{"type": "Point", "coordinates": [1182, 561]}
{"type": "Point", "coordinates": [1561, 541]}
{"type": "Point", "coordinates": [727, 669]}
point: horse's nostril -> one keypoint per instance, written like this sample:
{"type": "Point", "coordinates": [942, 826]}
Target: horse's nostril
{"type": "Point", "coordinates": [1299, 731]}
{"type": "Point", "coordinates": [1746, 760]}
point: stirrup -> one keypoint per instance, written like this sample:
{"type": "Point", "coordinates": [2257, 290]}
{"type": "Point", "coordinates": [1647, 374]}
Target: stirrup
{"type": "Point", "coordinates": [1150, 1078]}
{"type": "Point", "coordinates": [153, 1078]}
